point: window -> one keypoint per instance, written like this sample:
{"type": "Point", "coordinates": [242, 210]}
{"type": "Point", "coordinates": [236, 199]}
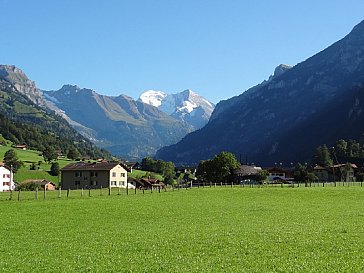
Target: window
{"type": "Point", "coordinates": [78, 174]}
{"type": "Point", "coordinates": [120, 183]}
{"type": "Point", "coordinates": [93, 174]}
{"type": "Point", "coordinates": [77, 183]}
{"type": "Point", "coordinates": [113, 183]}
{"type": "Point", "coordinates": [93, 183]}
{"type": "Point", "coordinates": [122, 175]}
{"type": "Point", "coordinates": [113, 174]}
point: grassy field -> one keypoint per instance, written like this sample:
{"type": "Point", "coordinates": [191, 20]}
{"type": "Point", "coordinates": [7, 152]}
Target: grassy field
{"type": "Point", "coordinates": [195, 230]}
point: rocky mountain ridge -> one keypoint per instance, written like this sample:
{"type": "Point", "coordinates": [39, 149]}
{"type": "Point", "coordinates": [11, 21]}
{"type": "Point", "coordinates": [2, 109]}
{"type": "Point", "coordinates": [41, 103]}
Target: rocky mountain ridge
{"type": "Point", "coordinates": [128, 128]}
{"type": "Point", "coordinates": [286, 117]}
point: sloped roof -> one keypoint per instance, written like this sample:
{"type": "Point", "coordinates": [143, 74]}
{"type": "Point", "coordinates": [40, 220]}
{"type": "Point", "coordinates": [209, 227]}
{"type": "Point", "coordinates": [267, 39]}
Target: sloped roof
{"type": "Point", "coordinates": [41, 182]}
{"type": "Point", "coordinates": [85, 166]}
{"type": "Point", "coordinates": [246, 170]}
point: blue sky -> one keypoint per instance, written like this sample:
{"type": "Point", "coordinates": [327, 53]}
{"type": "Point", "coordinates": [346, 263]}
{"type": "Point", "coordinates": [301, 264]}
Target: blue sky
{"type": "Point", "coordinates": [216, 48]}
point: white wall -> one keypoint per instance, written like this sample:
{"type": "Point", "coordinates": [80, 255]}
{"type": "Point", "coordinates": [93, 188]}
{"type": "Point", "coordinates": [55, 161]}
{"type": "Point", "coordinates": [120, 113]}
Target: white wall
{"type": "Point", "coordinates": [6, 179]}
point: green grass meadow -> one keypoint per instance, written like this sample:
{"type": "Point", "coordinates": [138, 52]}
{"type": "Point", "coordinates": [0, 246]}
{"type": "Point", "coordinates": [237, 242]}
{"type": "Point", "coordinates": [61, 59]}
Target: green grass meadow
{"type": "Point", "coordinates": [195, 230]}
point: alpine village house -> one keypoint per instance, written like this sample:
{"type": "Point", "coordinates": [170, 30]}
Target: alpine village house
{"type": "Point", "coordinates": [6, 179]}
{"type": "Point", "coordinates": [94, 175]}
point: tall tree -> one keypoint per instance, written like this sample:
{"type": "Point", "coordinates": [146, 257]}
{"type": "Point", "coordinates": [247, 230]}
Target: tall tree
{"type": "Point", "coordinates": [11, 160]}
{"type": "Point", "coordinates": [73, 153]}
{"type": "Point", "coordinates": [55, 169]}
{"type": "Point", "coordinates": [224, 164]}
{"type": "Point", "coordinates": [322, 156]}
{"type": "Point", "coordinates": [340, 148]}
{"type": "Point", "coordinates": [300, 172]}
{"type": "Point", "coordinates": [49, 154]}
{"type": "Point", "coordinates": [219, 168]}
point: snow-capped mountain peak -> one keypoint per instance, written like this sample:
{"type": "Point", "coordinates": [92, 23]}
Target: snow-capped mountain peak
{"type": "Point", "coordinates": [186, 105]}
{"type": "Point", "coordinates": [153, 97]}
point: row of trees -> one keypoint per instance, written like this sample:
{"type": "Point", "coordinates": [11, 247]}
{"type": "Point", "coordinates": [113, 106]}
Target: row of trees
{"type": "Point", "coordinates": [343, 151]}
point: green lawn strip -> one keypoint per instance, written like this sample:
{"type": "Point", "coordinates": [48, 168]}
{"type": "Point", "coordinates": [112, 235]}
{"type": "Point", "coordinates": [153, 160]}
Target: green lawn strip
{"type": "Point", "coordinates": [195, 230]}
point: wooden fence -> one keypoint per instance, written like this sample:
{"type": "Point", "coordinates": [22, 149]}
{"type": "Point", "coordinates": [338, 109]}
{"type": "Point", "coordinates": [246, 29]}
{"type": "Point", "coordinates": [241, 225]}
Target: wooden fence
{"type": "Point", "coordinates": [20, 195]}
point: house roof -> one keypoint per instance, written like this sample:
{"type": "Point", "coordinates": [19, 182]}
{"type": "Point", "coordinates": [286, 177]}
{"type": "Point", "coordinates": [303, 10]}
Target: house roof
{"type": "Point", "coordinates": [246, 170]}
{"type": "Point", "coordinates": [41, 182]}
{"type": "Point", "coordinates": [4, 166]}
{"type": "Point", "coordinates": [318, 167]}
{"type": "Point", "coordinates": [85, 166]}
{"type": "Point", "coordinates": [342, 165]}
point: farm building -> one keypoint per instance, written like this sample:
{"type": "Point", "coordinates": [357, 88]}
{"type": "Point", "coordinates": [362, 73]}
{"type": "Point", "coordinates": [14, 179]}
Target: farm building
{"type": "Point", "coordinates": [94, 175]}
{"type": "Point", "coordinates": [339, 172]}
{"type": "Point", "coordinates": [246, 174]}
{"type": "Point", "coordinates": [6, 179]}
{"type": "Point", "coordinates": [42, 183]}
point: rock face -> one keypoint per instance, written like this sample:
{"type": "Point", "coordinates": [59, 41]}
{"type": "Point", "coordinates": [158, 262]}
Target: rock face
{"type": "Point", "coordinates": [21, 82]}
{"type": "Point", "coordinates": [286, 117]}
{"type": "Point", "coordinates": [128, 128]}
{"type": "Point", "coordinates": [186, 106]}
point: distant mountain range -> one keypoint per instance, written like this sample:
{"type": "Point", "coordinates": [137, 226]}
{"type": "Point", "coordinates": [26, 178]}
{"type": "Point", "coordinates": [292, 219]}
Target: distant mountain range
{"type": "Point", "coordinates": [186, 106]}
{"type": "Point", "coordinates": [125, 127]}
{"type": "Point", "coordinates": [286, 117]}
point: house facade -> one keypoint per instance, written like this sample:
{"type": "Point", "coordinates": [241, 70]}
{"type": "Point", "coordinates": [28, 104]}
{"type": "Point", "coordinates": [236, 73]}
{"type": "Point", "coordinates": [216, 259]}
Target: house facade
{"type": "Point", "coordinates": [339, 172]}
{"type": "Point", "coordinates": [94, 175]}
{"type": "Point", "coordinates": [279, 174]}
{"type": "Point", "coordinates": [6, 179]}
{"type": "Point", "coordinates": [246, 174]}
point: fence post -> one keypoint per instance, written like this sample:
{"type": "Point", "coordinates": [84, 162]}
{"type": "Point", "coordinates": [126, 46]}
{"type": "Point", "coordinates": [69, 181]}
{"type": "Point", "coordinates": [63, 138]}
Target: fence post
{"type": "Point", "coordinates": [19, 194]}
{"type": "Point", "coordinates": [36, 193]}
{"type": "Point", "coordinates": [119, 190]}
{"type": "Point", "coordinates": [89, 191]}
{"type": "Point", "coordinates": [11, 195]}
{"type": "Point", "coordinates": [81, 191]}
{"type": "Point", "coordinates": [109, 190]}
{"type": "Point", "coordinates": [59, 192]}
{"type": "Point", "coordinates": [100, 190]}
{"type": "Point", "coordinates": [45, 192]}
{"type": "Point", "coordinates": [68, 192]}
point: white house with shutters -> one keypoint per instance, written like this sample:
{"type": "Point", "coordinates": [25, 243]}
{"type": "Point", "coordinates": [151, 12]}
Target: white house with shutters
{"type": "Point", "coordinates": [6, 179]}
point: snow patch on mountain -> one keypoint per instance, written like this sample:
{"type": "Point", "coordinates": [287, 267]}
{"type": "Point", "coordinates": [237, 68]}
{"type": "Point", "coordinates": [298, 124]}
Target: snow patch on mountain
{"type": "Point", "coordinates": [187, 105]}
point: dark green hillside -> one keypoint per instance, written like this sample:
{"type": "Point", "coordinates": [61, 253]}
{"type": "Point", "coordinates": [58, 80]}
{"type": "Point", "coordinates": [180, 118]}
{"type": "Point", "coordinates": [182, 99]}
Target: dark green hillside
{"type": "Point", "coordinates": [23, 122]}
